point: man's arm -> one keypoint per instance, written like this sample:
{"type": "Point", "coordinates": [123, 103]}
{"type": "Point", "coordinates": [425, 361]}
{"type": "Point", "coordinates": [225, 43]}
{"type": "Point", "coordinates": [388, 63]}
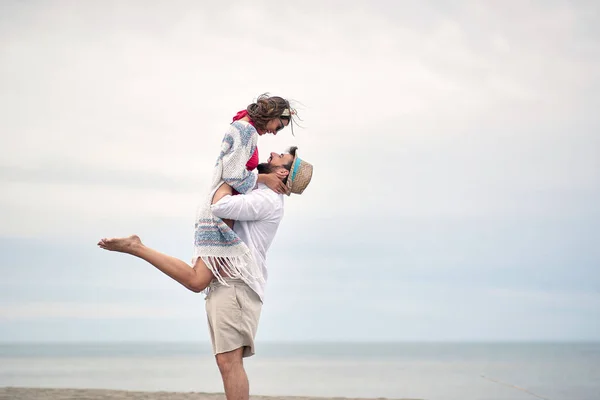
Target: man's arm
{"type": "Point", "coordinates": [254, 206]}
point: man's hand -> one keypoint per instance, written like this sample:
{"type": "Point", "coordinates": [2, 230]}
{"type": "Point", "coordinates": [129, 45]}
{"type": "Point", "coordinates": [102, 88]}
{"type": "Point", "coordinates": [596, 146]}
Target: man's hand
{"type": "Point", "coordinates": [273, 181]}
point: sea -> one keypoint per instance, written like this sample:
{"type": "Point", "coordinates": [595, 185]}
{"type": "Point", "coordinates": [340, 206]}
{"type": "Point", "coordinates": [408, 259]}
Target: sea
{"type": "Point", "coordinates": [445, 371]}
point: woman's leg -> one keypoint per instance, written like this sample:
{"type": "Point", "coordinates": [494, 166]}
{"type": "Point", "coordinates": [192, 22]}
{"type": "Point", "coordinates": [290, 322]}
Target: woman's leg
{"type": "Point", "coordinates": [221, 192]}
{"type": "Point", "coordinates": [195, 279]}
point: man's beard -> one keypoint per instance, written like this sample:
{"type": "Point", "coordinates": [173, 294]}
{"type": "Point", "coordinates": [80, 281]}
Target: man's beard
{"type": "Point", "coordinates": [264, 168]}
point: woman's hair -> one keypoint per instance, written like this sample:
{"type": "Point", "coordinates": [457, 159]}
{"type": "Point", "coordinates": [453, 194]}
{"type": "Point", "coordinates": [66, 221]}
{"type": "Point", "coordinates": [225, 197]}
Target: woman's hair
{"type": "Point", "coordinates": [267, 108]}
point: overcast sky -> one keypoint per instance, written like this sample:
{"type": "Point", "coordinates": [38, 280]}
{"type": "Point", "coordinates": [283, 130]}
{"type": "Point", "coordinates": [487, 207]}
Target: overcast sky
{"type": "Point", "coordinates": [456, 149]}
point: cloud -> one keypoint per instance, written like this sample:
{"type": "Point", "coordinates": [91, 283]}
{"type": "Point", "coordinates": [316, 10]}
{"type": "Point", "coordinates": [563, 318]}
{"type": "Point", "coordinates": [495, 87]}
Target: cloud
{"type": "Point", "coordinates": [59, 173]}
{"type": "Point", "coordinates": [454, 146]}
{"type": "Point", "coordinates": [45, 310]}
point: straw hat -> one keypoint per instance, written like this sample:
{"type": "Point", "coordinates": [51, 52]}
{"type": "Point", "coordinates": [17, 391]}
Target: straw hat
{"type": "Point", "coordinates": [300, 175]}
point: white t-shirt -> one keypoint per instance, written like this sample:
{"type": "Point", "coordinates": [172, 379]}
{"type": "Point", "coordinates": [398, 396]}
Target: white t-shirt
{"type": "Point", "coordinates": [257, 216]}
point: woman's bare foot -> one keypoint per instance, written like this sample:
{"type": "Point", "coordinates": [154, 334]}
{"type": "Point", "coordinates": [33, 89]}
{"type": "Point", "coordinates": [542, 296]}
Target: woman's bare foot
{"type": "Point", "coordinates": [122, 245]}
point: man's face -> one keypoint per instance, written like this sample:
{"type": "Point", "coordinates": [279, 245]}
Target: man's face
{"type": "Point", "coordinates": [279, 160]}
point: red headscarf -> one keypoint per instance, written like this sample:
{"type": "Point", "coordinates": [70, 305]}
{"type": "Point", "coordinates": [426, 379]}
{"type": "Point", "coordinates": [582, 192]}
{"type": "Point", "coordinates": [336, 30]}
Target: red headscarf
{"type": "Point", "coordinates": [253, 161]}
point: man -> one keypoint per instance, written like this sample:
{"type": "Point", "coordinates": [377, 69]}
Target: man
{"type": "Point", "coordinates": [233, 303]}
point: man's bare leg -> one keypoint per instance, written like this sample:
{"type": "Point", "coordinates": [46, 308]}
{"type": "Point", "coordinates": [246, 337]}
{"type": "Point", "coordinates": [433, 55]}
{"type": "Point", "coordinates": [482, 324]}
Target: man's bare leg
{"type": "Point", "coordinates": [235, 380]}
{"type": "Point", "coordinates": [195, 279]}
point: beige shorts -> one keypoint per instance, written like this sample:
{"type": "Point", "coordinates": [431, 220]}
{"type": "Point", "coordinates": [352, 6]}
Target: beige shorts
{"type": "Point", "coordinates": [233, 312]}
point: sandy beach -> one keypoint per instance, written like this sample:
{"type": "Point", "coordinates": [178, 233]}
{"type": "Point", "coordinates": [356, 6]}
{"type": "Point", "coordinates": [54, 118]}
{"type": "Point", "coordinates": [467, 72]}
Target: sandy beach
{"type": "Point", "coordinates": [11, 393]}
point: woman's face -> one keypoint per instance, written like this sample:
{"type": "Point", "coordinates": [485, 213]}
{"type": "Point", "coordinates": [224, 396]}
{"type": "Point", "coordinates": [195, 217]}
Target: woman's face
{"type": "Point", "coordinates": [275, 125]}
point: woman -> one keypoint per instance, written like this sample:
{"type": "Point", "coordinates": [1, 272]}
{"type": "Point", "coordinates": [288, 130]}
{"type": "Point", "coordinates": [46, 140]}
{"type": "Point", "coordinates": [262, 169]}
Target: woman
{"type": "Point", "coordinates": [215, 244]}
{"type": "Point", "coordinates": [218, 251]}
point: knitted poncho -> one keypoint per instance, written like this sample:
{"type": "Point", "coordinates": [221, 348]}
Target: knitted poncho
{"type": "Point", "coordinates": [214, 242]}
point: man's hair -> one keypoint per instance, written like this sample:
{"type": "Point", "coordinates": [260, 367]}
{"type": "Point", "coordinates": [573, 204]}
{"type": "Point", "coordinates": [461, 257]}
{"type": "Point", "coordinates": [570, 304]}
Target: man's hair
{"type": "Point", "coordinates": [265, 168]}
{"type": "Point", "coordinates": [292, 151]}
